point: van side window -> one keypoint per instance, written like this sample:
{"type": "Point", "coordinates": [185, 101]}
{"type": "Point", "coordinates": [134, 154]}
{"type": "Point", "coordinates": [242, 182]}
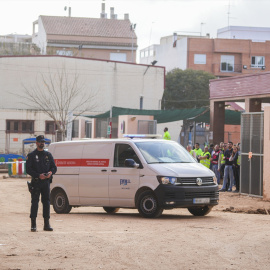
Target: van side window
{"type": "Point", "coordinates": [123, 152]}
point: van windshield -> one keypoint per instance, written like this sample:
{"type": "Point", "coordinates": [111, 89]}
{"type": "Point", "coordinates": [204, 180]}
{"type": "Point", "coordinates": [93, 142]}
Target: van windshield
{"type": "Point", "coordinates": [164, 152]}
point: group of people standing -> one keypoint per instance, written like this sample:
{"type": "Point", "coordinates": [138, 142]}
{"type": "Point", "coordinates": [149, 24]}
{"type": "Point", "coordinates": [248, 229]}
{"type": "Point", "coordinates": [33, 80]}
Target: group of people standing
{"type": "Point", "coordinates": [223, 159]}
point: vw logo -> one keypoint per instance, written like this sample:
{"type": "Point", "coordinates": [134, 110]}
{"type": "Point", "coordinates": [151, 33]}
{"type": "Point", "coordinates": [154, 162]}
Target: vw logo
{"type": "Point", "coordinates": [199, 181]}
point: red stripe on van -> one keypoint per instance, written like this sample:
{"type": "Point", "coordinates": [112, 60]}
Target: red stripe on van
{"type": "Point", "coordinates": [82, 162]}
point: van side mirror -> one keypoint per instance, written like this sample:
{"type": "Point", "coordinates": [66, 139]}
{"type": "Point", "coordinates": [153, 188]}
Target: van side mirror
{"type": "Point", "coordinates": [131, 163]}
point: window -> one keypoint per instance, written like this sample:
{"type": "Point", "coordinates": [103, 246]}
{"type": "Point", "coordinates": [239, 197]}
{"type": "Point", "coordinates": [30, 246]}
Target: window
{"type": "Point", "coordinates": [20, 126]}
{"type": "Point", "coordinates": [200, 59]}
{"type": "Point", "coordinates": [75, 128]}
{"type": "Point", "coordinates": [64, 52]}
{"type": "Point", "coordinates": [165, 152]}
{"type": "Point", "coordinates": [227, 63]}
{"type": "Point", "coordinates": [146, 53]}
{"type": "Point", "coordinates": [123, 152]}
{"type": "Point", "coordinates": [142, 54]}
{"type": "Point", "coordinates": [257, 61]}
{"type": "Point", "coordinates": [151, 52]}
{"type": "Point", "coordinates": [50, 127]}
{"type": "Point", "coordinates": [27, 126]}
{"type": "Point", "coordinates": [88, 129]}
{"type": "Point", "coordinates": [118, 57]}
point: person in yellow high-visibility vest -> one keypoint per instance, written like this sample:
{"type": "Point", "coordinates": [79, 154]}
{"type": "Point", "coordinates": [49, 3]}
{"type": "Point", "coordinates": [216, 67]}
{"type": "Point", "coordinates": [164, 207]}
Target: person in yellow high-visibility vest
{"type": "Point", "coordinates": [223, 148]}
{"type": "Point", "coordinates": [205, 157]}
{"type": "Point", "coordinates": [166, 135]}
{"type": "Point", "coordinates": [198, 151]}
{"type": "Point", "coordinates": [191, 151]}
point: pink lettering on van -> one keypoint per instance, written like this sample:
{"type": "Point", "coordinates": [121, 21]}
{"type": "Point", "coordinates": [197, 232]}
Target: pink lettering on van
{"type": "Point", "coordinates": [82, 162]}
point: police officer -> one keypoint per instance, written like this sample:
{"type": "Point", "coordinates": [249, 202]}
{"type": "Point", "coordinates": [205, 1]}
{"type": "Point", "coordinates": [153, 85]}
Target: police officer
{"type": "Point", "coordinates": [40, 165]}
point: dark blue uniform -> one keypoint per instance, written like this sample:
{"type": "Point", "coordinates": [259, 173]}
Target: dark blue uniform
{"type": "Point", "coordinates": [39, 162]}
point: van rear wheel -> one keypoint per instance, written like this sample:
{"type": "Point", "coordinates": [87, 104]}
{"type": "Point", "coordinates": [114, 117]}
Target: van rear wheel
{"type": "Point", "coordinates": [111, 210]}
{"type": "Point", "coordinates": [148, 205]}
{"type": "Point", "coordinates": [60, 202]}
{"type": "Point", "coordinates": [200, 211]}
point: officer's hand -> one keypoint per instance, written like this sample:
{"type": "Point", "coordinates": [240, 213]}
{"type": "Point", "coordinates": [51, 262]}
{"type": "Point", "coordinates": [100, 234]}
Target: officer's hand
{"type": "Point", "coordinates": [42, 176]}
{"type": "Point", "coordinates": [49, 175]}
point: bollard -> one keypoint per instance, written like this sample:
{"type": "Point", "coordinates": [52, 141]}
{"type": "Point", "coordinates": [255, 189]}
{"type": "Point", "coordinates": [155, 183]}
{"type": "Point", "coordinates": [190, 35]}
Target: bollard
{"type": "Point", "coordinates": [10, 167]}
{"type": "Point", "coordinates": [24, 166]}
{"type": "Point", "coordinates": [20, 167]}
{"type": "Point", "coordinates": [14, 167]}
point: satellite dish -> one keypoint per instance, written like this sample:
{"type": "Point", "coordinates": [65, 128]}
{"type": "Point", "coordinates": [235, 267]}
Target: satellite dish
{"type": "Point", "coordinates": [65, 8]}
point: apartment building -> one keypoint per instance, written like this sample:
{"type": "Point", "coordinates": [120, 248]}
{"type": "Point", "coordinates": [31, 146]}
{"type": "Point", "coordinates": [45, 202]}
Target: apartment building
{"type": "Point", "coordinates": [223, 57]}
{"type": "Point", "coordinates": [96, 38]}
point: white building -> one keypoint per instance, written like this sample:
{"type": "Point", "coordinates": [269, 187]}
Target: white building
{"type": "Point", "coordinates": [167, 54]}
{"type": "Point", "coordinates": [256, 34]}
{"type": "Point", "coordinates": [114, 84]}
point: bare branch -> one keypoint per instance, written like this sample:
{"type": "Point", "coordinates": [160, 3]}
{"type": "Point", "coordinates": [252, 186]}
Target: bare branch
{"type": "Point", "coordinates": [57, 94]}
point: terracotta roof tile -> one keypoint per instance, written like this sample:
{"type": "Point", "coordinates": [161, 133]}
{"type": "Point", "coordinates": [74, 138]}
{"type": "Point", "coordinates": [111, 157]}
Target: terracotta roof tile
{"type": "Point", "coordinates": [94, 27]}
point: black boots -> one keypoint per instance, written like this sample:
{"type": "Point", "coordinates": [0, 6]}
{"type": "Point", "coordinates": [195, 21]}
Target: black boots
{"type": "Point", "coordinates": [47, 226]}
{"type": "Point", "coordinates": [33, 225]}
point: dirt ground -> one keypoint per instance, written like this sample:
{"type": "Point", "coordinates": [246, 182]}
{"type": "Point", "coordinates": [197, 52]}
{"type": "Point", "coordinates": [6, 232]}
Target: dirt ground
{"type": "Point", "coordinates": [89, 238]}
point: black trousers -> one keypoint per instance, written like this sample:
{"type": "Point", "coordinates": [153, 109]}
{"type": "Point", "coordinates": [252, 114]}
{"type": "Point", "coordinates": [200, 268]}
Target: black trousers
{"type": "Point", "coordinates": [236, 171]}
{"type": "Point", "coordinates": [40, 187]}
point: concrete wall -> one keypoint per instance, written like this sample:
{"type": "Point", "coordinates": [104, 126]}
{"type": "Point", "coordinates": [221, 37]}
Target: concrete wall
{"type": "Point", "coordinates": [174, 129]}
{"type": "Point", "coordinates": [266, 158]}
{"type": "Point", "coordinates": [112, 84]}
{"type": "Point", "coordinates": [168, 55]}
{"type": "Point", "coordinates": [172, 57]}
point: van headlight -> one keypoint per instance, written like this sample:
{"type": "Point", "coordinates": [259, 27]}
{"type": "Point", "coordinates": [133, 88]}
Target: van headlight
{"type": "Point", "coordinates": [215, 179]}
{"type": "Point", "coordinates": [166, 180]}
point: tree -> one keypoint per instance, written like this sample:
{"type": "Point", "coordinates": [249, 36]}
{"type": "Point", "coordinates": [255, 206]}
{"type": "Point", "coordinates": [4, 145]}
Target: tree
{"type": "Point", "coordinates": [57, 94]}
{"type": "Point", "coordinates": [186, 89]}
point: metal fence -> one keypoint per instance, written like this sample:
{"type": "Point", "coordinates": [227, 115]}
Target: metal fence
{"type": "Point", "coordinates": [251, 169]}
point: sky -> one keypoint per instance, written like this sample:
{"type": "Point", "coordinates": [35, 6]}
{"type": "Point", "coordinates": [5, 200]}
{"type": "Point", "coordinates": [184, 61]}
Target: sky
{"type": "Point", "coordinates": [153, 18]}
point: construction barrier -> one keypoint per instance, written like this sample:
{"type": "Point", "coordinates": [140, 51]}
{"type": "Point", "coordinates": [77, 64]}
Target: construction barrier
{"type": "Point", "coordinates": [16, 167]}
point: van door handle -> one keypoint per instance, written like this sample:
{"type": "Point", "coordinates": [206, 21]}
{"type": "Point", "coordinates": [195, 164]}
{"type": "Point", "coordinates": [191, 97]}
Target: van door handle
{"type": "Point", "coordinates": [113, 170]}
{"type": "Point", "coordinates": [104, 170]}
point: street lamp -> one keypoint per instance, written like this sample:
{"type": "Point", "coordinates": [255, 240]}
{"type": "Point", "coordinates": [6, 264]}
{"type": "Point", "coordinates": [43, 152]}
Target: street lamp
{"type": "Point", "coordinates": [132, 28]}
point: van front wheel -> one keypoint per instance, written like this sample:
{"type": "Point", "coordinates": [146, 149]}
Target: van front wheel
{"type": "Point", "coordinates": [111, 210]}
{"type": "Point", "coordinates": [60, 202]}
{"type": "Point", "coordinates": [148, 205]}
{"type": "Point", "coordinates": [200, 211]}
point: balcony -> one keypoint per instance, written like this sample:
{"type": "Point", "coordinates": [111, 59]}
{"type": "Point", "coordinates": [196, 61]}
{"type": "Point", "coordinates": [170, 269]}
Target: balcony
{"type": "Point", "coordinates": [226, 69]}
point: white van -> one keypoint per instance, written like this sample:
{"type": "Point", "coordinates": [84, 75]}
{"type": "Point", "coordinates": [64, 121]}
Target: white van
{"type": "Point", "coordinates": [147, 174]}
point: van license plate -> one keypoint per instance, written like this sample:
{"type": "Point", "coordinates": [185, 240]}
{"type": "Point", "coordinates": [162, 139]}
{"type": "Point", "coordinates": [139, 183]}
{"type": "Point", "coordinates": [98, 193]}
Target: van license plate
{"type": "Point", "coordinates": [201, 200]}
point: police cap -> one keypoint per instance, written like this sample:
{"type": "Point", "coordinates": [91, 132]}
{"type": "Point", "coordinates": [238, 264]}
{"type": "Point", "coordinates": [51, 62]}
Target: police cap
{"type": "Point", "coordinates": [40, 138]}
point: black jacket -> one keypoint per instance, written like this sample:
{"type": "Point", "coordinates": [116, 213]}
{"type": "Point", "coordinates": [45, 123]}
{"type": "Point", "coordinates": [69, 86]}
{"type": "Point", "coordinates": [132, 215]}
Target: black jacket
{"type": "Point", "coordinates": [38, 162]}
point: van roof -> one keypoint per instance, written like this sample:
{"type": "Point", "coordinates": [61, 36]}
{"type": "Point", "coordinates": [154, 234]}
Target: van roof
{"type": "Point", "coordinates": [109, 140]}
